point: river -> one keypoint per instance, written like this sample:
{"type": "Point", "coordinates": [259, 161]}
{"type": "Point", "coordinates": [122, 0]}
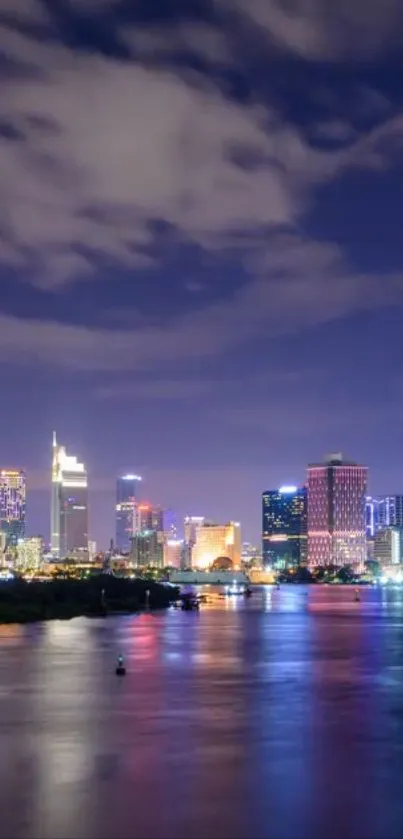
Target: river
{"type": "Point", "coordinates": [280, 716]}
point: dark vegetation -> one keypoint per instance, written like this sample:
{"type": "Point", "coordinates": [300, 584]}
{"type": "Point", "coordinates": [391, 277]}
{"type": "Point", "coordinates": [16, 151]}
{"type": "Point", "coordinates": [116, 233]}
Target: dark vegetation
{"type": "Point", "coordinates": [22, 601]}
{"type": "Point", "coordinates": [327, 574]}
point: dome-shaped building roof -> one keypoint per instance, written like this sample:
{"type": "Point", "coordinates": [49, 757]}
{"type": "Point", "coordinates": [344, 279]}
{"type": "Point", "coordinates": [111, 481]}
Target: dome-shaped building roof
{"type": "Point", "coordinates": [222, 563]}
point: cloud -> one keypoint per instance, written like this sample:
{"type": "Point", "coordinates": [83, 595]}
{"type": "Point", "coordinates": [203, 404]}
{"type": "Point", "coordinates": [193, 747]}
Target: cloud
{"type": "Point", "coordinates": [25, 11]}
{"type": "Point", "coordinates": [97, 148]}
{"type": "Point", "coordinates": [319, 29]}
{"type": "Point", "coordinates": [199, 39]}
{"type": "Point", "coordinates": [98, 134]}
{"type": "Point", "coordinates": [303, 285]}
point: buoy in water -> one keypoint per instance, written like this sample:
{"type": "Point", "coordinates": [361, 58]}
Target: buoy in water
{"type": "Point", "coordinates": [120, 669]}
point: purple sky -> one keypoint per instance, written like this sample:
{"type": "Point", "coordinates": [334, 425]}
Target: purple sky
{"type": "Point", "coordinates": [200, 245]}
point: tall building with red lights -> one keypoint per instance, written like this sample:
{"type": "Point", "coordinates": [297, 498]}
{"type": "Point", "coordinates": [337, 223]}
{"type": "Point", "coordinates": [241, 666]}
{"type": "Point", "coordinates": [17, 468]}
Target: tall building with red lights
{"type": "Point", "coordinates": [336, 512]}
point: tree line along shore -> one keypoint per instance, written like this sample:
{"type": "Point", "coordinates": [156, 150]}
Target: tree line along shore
{"type": "Point", "coordinates": [22, 601]}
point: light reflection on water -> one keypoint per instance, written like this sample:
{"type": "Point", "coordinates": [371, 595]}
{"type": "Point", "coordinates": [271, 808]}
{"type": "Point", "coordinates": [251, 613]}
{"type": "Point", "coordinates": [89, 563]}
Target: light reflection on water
{"type": "Point", "coordinates": [275, 716]}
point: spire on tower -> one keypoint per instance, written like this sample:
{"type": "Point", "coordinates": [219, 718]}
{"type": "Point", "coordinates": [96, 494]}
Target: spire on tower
{"type": "Point", "coordinates": [54, 440]}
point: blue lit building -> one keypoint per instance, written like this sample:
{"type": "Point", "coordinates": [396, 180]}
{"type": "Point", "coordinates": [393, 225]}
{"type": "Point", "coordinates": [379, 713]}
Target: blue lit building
{"type": "Point", "coordinates": [284, 527]}
{"type": "Point", "coordinates": [371, 516]}
{"type": "Point", "coordinates": [383, 511]}
{"type": "Point", "coordinates": [127, 497]}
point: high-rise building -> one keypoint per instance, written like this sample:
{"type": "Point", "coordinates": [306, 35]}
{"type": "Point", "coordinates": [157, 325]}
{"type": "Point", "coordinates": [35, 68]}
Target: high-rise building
{"type": "Point", "coordinates": [127, 499]}
{"type": "Point", "coordinates": [191, 523]}
{"type": "Point", "coordinates": [144, 517]}
{"type": "Point", "coordinates": [336, 512]}
{"type": "Point", "coordinates": [383, 512]}
{"type": "Point", "coordinates": [12, 505]}
{"type": "Point", "coordinates": [387, 546]}
{"type": "Point", "coordinates": [173, 553]}
{"type": "Point", "coordinates": [390, 511]}
{"type": "Point", "coordinates": [169, 524]}
{"type": "Point", "coordinates": [147, 549]}
{"type": "Point", "coordinates": [157, 519]}
{"type": "Point", "coordinates": [69, 503]}
{"type": "Point", "coordinates": [29, 554]}
{"type": "Point", "coordinates": [216, 540]}
{"type": "Point", "coordinates": [371, 516]}
{"type": "Point", "coordinates": [149, 518]}
{"type": "Point", "coordinates": [284, 527]}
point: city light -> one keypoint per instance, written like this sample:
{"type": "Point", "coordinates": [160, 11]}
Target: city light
{"type": "Point", "coordinates": [328, 520]}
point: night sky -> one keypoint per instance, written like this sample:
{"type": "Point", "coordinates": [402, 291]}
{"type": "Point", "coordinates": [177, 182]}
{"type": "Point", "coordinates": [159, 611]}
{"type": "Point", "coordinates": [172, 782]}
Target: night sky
{"type": "Point", "coordinates": [201, 266]}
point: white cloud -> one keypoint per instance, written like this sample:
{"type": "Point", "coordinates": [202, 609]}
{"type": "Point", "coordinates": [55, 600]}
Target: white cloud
{"type": "Point", "coordinates": [305, 284]}
{"type": "Point", "coordinates": [141, 142]}
{"type": "Point", "coordinates": [136, 144]}
{"type": "Point", "coordinates": [320, 29]}
{"type": "Point", "coordinates": [108, 145]}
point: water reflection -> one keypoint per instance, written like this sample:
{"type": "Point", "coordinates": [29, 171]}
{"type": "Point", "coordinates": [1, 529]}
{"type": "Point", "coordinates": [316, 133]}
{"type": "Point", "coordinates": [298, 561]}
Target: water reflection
{"type": "Point", "coordinates": [275, 716]}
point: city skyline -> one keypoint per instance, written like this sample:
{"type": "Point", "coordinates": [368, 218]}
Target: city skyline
{"type": "Point", "coordinates": [150, 509]}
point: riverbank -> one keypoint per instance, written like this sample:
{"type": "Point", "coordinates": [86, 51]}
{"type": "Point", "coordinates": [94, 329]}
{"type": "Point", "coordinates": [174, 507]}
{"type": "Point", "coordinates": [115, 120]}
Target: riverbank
{"type": "Point", "coordinates": [24, 602]}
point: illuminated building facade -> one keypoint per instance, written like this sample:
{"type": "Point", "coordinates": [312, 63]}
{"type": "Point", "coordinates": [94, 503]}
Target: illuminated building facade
{"type": "Point", "coordinates": [147, 549]}
{"type": "Point", "coordinates": [169, 524]}
{"type": "Point", "coordinates": [150, 518]}
{"type": "Point", "coordinates": [371, 516]}
{"type": "Point", "coordinates": [69, 504]}
{"type": "Point", "coordinates": [216, 540]}
{"type": "Point", "coordinates": [336, 513]}
{"type": "Point", "coordinates": [383, 511]}
{"type": "Point", "coordinates": [190, 527]}
{"type": "Point", "coordinates": [127, 498]}
{"type": "Point", "coordinates": [284, 527]}
{"type": "Point", "coordinates": [173, 553]}
{"type": "Point", "coordinates": [191, 523]}
{"type": "Point", "coordinates": [390, 511]}
{"type": "Point", "coordinates": [29, 554]}
{"type": "Point", "coordinates": [251, 555]}
{"type": "Point", "coordinates": [12, 505]}
{"type": "Point", "coordinates": [387, 548]}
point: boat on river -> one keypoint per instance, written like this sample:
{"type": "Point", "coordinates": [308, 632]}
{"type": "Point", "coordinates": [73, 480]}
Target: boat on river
{"type": "Point", "coordinates": [237, 590]}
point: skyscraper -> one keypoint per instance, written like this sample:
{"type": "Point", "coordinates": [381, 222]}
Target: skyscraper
{"type": "Point", "coordinates": [387, 547]}
{"type": "Point", "coordinates": [390, 511]}
{"type": "Point", "coordinates": [336, 512]}
{"type": "Point", "coordinates": [69, 503]}
{"type": "Point", "coordinates": [12, 505]}
{"type": "Point", "coordinates": [127, 498]}
{"type": "Point", "coordinates": [371, 516]}
{"type": "Point", "coordinates": [173, 552]}
{"type": "Point", "coordinates": [146, 549]}
{"type": "Point", "coordinates": [169, 524]}
{"type": "Point", "coordinates": [284, 527]}
{"type": "Point", "coordinates": [191, 524]}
